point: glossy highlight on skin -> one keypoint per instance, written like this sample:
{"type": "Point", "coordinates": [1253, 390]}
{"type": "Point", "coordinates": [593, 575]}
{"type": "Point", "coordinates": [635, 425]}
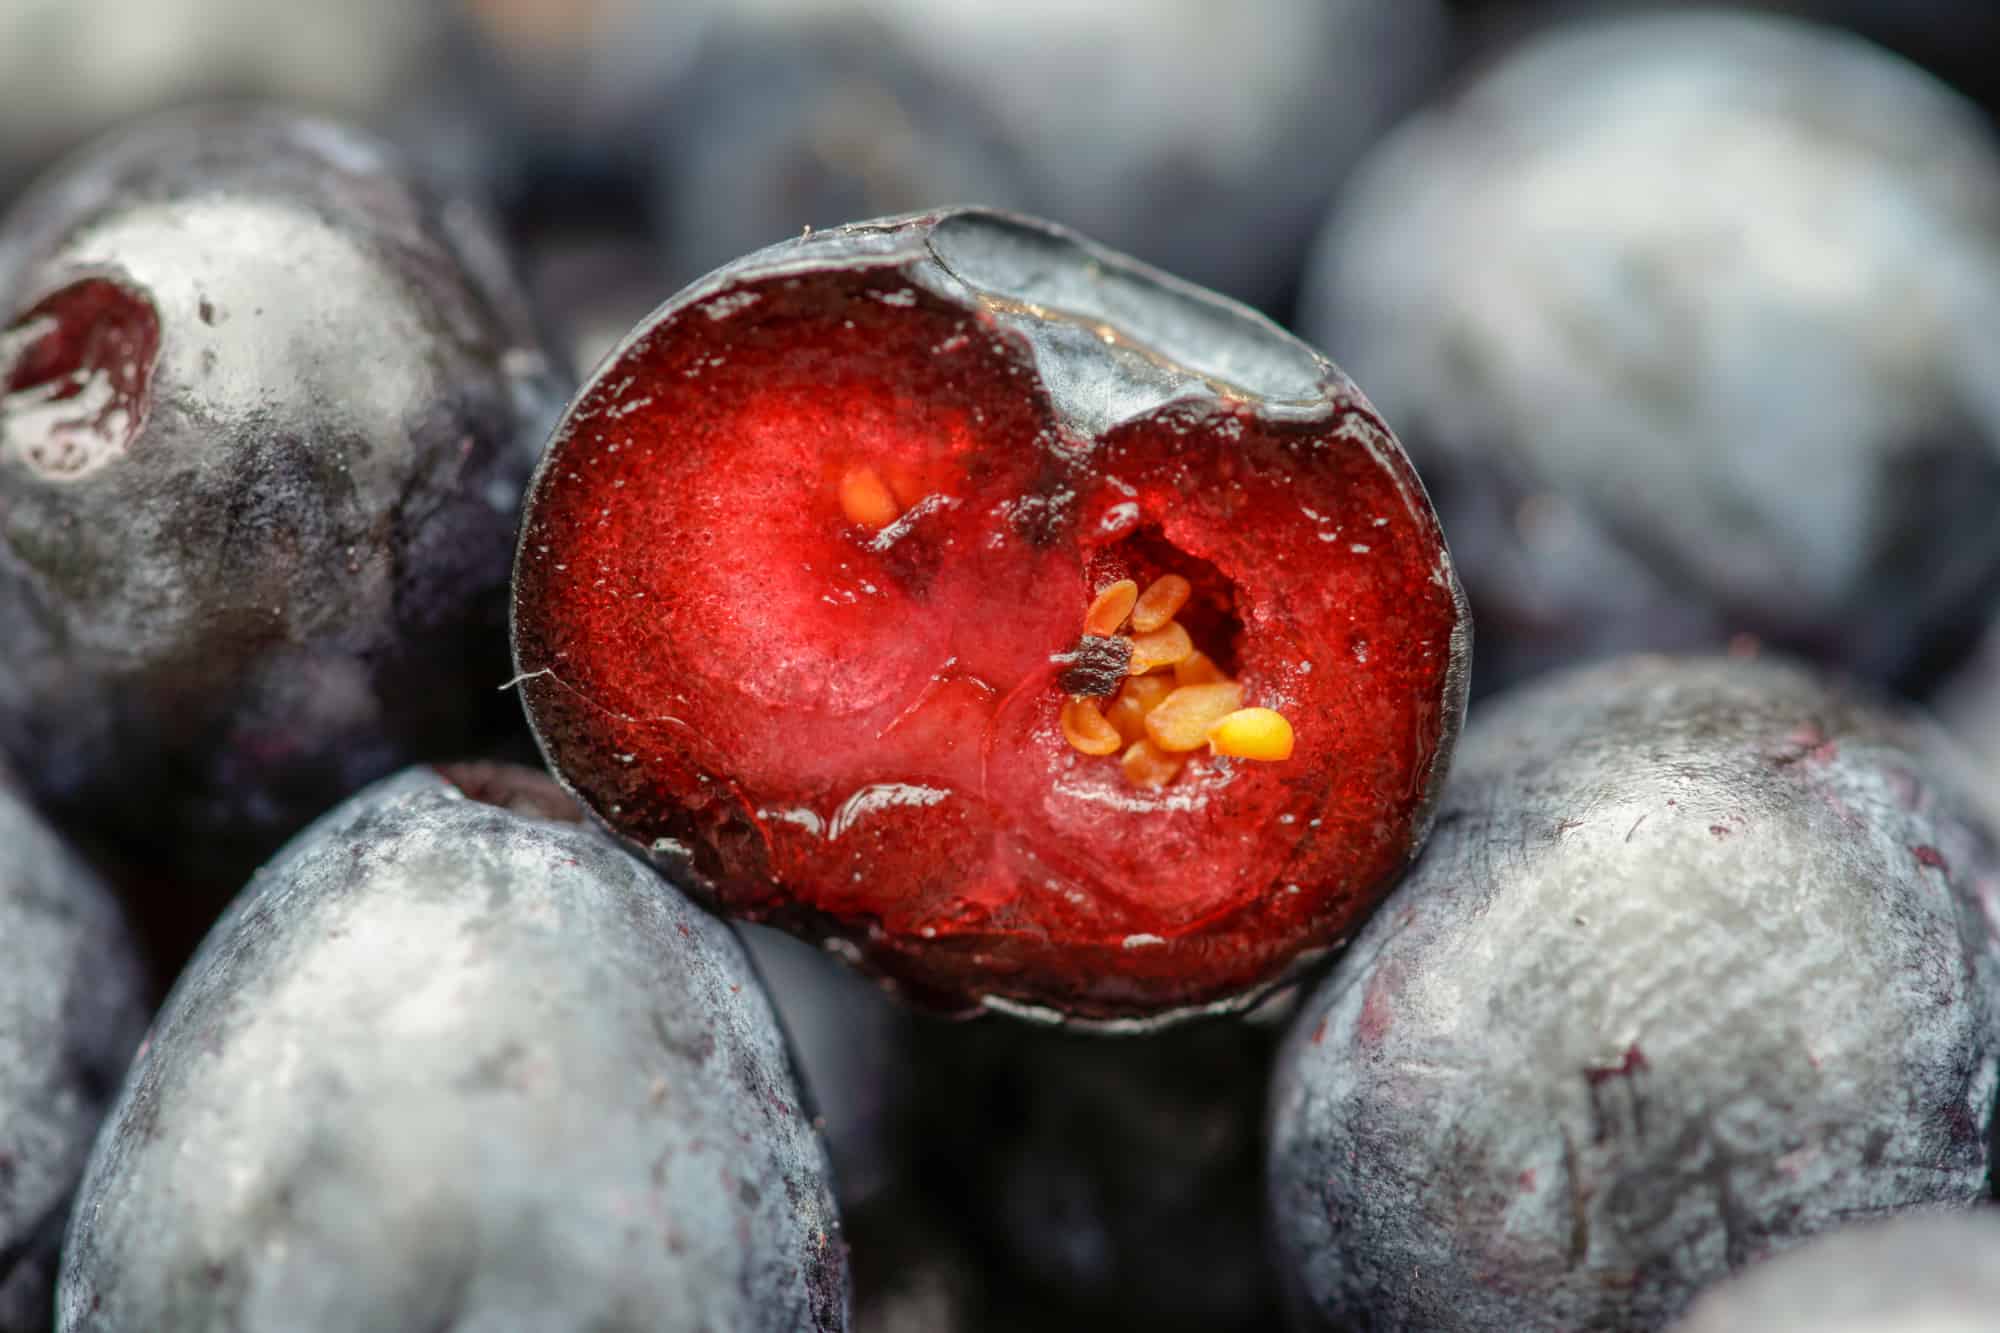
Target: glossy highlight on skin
{"type": "Point", "coordinates": [857, 728]}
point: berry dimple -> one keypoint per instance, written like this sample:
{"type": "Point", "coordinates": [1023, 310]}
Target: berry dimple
{"type": "Point", "coordinates": [78, 370]}
{"type": "Point", "coordinates": [813, 587]}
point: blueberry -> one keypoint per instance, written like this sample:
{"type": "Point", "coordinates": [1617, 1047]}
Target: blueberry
{"type": "Point", "coordinates": [456, 1064]}
{"type": "Point", "coordinates": [810, 578]}
{"type": "Point", "coordinates": [1686, 319]}
{"type": "Point", "coordinates": [854, 1049]}
{"type": "Point", "coordinates": [75, 68]}
{"type": "Point", "coordinates": [1699, 962]}
{"type": "Point", "coordinates": [72, 1007]}
{"type": "Point", "coordinates": [267, 405]}
{"type": "Point", "coordinates": [1198, 138]}
{"type": "Point", "coordinates": [1926, 1274]}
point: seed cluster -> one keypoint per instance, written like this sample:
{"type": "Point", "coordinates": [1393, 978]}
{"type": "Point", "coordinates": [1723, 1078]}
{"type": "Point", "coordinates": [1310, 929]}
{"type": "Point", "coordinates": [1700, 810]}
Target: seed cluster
{"type": "Point", "coordinates": [1175, 699]}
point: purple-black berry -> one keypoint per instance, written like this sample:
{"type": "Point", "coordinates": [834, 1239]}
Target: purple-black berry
{"type": "Point", "coordinates": [1699, 962]}
{"type": "Point", "coordinates": [1687, 320]}
{"type": "Point", "coordinates": [72, 1007]}
{"type": "Point", "coordinates": [267, 406]}
{"type": "Point", "coordinates": [456, 1064]}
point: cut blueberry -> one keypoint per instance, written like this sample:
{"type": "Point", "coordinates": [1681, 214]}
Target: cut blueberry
{"type": "Point", "coordinates": [1687, 319]}
{"type": "Point", "coordinates": [267, 404]}
{"type": "Point", "coordinates": [1926, 1274]}
{"type": "Point", "coordinates": [828, 579]}
{"type": "Point", "coordinates": [72, 1007]}
{"type": "Point", "coordinates": [1700, 962]}
{"type": "Point", "coordinates": [457, 1064]}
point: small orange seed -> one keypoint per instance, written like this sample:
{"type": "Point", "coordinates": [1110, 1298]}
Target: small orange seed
{"type": "Point", "coordinates": [1162, 601]}
{"type": "Point", "coordinates": [1110, 607]}
{"type": "Point", "coordinates": [1086, 730]}
{"type": "Point", "coordinates": [1146, 765]}
{"type": "Point", "coordinates": [865, 498]}
{"type": "Point", "coordinates": [1197, 668]}
{"type": "Point", "coordinates": [1138, 696]}
{"type": "Point", "coordinates": [1161, 648]}
{"type": "Point", "coordinates": [1182, 720]}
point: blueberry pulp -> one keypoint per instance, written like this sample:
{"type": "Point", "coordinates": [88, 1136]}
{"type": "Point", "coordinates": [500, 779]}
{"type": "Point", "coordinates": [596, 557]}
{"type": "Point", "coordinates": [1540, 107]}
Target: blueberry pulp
{"type": "Point", "coordinates": [269, 403]}
{"type": "Point", "coordinates": [446, 1063]}
{"type": "Point", "coordinates": [1700, 963]}
{"type": "Point", "coordinates": [73, 1001]}
{"type": "Point", "coordinates": [854, 733]}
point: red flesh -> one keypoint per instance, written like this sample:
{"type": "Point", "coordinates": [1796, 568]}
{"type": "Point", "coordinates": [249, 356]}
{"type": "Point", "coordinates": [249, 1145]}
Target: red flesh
{"type": "Point", "coordinates": [860, 731]}
{"type": "Point", "coordinates": [91, 345]}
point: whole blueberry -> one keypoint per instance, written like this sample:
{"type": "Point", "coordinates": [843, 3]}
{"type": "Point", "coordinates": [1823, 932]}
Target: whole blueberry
{"type": "Point", "coordinates": [1687, 321]}
{"type": "Point", "coordinates": [1199, 138]}
{"type": "Point", "coordinates": [267, 405]}
{"type": "Point", "coordinates": [456, 1064]}
{"type": "Point", "coordinates": [72, 1007]}
{"type": "Point", "coordinates": [1924, 1274]}
{"type": "Point", "coordinates": [1700, 962]}
{"type": "Point", "coordinates": [72, 69]}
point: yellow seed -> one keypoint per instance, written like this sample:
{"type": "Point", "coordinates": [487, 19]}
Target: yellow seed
{"type": "Point", "coordinates": [1182, 720]}
{"type": "Point", "coordinates": [1146, 765]}
{"type": "Point", "coordinates": [1252, 733]}
{"type": "Point", "coordinates": [865, 498]}
{"type": "Point", "coordinates": [1085, 728]}
{"type": "Point", "coordinates": [1109, 608]}
{"type": "Point", "coordinates": [1162, 648]}
{"type": "Point", "coordinates": [1197, 668]}
{"type": "Point", "coordinates": [1162, 601]}
{"type": "Point", "coordinates": [1138, 696]}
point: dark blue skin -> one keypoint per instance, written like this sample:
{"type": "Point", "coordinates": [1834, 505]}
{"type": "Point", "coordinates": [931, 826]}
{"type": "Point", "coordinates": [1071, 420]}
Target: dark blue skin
{"type": "Point", "coordinates": [1686, 321]}
{"type": "Point", "coordinates": [1204, 140]}
{"type": "Point", "coordinates": [73, 1004]}
{"type": "Point", "coordinates": [454, 1060]}
{"type": "Point", "coordinates": [276, 571]}
{"type": "Point", "coordinates": [1700, 963]}
{"type": "Point", "coordinates": [73, 69]}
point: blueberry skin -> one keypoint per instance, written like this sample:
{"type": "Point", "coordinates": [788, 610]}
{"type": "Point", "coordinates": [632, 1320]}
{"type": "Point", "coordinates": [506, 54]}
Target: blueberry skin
{"type": "Point", "coordinates": [1700, 962]}
{"type": "Point", "coordinates": [73, 69]}
{"type": "Point", "coordinates": [856, 1057]}
{"type": "Point", "coordinates": [446, 1064]}
{"type": "Point", "coordinates": [1686, 319]}
{"type": "Point", "coordinates": [278, 571]}
{"type": "Point", "coordinates": [1923, 1274]}
{"type": "Point", "coordinates": [1203, 139]}
{"type": "Point", "coordinates": [73, 998]}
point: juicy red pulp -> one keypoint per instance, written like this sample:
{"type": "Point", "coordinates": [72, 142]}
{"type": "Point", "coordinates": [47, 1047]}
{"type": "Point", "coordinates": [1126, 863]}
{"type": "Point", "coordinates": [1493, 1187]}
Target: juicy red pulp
{"type": "Point", "coordinates": [861, 727]}
{"type": "Point", "coordinates": [77, 366]}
